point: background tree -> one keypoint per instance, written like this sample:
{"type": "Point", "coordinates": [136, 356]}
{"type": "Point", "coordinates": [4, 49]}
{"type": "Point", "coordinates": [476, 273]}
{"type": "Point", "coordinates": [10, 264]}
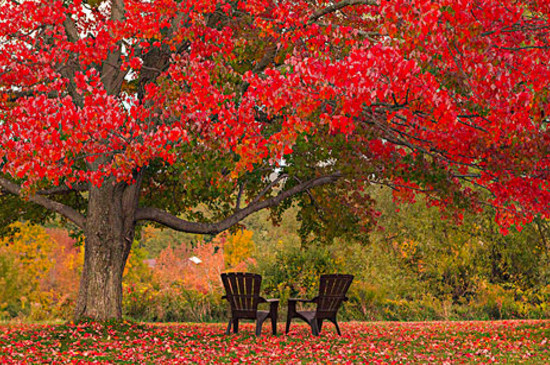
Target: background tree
{"type": "Point", "coordinates": [38, 272]}
{"type": "Point", "coordinates": [238, 247]}
{"type": "Point", "coordinates": [195, 114]}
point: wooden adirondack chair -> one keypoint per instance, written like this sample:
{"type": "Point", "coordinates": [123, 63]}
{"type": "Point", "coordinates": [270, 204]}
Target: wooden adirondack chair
{"type": "Point", "coordinates": [243, 294]}
{"type": "Point", "coordinates": [332, 292]}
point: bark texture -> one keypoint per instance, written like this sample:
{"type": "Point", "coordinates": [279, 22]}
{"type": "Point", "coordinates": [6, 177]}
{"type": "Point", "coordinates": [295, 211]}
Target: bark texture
{"type": "Point", "coordinates": [109, 231]}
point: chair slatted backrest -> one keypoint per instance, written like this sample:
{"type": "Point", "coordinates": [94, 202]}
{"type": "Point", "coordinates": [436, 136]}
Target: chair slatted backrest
{"type": "Point", "coordinates": [243, 292]}
{"type": "Point", "coordinates": [332, 292]}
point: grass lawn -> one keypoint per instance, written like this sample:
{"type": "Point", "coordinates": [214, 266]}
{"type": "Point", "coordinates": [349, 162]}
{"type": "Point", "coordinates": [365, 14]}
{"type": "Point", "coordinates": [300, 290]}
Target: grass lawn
{"type": "Point", "coordinates": [499, 342]}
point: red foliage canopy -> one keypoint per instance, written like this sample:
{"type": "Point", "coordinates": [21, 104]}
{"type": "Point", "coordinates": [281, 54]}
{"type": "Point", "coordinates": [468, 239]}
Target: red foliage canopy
{"type": "Point", "coordinates": [95, 89]}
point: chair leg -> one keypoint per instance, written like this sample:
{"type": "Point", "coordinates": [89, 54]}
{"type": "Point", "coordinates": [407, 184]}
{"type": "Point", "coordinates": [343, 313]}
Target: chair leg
{"type": "Point", "coordinates": [235, 325]}
{"type": "Point", "coordinates": [259, 324]}
{"type": "Point", "coordinates": [228, 331]}
{"type": "Point", "coordinates": [320, 325]}
{"type": "Point", "coordinates": [273, 307]}
{"type": "Point", "coordinates": [337, 327]}
{"type": "Point", "coordinates": [274, 325]}
{"type": "Point", "coordinates": [314, 328]}
{"type": "Point", "coordinates": [288, 320]}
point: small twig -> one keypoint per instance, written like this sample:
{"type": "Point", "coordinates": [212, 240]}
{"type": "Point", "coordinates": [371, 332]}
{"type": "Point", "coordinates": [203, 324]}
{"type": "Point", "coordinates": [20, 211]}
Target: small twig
{"type": "Point", "coordinates": [267, 188]}
{"type": "Point", "coordinates": [239, 196]}
{"type": "Point", "coordinates": [340, 5]}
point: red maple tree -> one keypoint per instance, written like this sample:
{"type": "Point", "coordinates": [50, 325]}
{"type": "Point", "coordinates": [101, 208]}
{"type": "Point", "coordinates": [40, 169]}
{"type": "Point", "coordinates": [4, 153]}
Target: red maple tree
{"type": "Point", "coordinates": [123, 111]}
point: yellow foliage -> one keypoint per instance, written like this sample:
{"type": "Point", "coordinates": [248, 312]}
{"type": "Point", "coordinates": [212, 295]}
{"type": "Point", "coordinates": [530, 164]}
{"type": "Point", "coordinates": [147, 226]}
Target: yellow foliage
{"type": "Point", "coordinates": [41, 268]}
{"type": "Point", "coordinates": [238, 247]}
{"type": "Point", "coordinates": [31, 249]}
{"type": "Point", "coordinates": [136, 269]}
{"type": "Point", "coordinates": [407, 249]}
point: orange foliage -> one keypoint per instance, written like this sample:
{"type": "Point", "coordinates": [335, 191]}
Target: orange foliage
{"type": "Point", "coordinates": [63, 278]}
{"type": "Point", "coordinates": [175, 265]}
{"type": "Point", "coordinates": [48, 266]}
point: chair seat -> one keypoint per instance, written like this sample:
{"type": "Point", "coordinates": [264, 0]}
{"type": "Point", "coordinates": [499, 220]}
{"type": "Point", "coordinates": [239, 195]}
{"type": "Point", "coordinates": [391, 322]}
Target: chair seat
{"type": "Point", "coordinates": [262, 314]}
{"type": "Point", "coordinates": [309, 315]}
{"type": "Point", "coordinates": [332, 293]}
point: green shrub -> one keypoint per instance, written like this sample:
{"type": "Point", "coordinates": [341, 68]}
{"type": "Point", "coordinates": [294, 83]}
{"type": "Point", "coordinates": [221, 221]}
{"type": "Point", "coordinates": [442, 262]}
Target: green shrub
{"type": "Point", "coordinates": [295, 271]}
{"type": "Point", "coordinates": [365, 302]}
{"type": "Point", "coordinates": [147, 302]}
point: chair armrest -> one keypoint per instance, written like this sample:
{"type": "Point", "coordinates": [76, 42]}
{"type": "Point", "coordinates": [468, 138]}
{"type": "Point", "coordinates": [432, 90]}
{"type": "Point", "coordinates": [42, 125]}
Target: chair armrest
{"type": "Point", "coordinates": [300, 300]}
{"type": "Point", "coordinates": [273, 305]}
{"type": "Point", "coordinates": [271, 300]}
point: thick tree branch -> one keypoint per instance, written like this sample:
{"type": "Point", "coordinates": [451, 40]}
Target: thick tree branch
{"type": "Point", "coordinates": [59, 190]}
{"type": "Point", "coordinates": [320, 211]}
{"type": "Point", "coordinates": [68, 69]}
{"type": "Point", "coordinates": [339, 5]}
{"type": "Point", "coordinates": [57, 207]}
{"type": "Point", "coordinates": [70, 29]}
{"type": "Point", "coordinates": [111, 73]}
{"type": "Point", "coordinates": [158, 60]}
{"type": "Point", "coordinates": [171, 221]}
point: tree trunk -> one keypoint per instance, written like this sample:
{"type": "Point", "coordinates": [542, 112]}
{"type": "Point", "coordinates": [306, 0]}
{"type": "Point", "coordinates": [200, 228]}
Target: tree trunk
{"type": "Point", "coordinates": [109, 233]}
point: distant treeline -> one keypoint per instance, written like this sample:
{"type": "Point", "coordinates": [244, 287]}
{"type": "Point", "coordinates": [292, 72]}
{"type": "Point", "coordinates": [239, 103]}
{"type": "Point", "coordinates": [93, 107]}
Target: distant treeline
{"type": "Point", "coordinates": [415, 265]}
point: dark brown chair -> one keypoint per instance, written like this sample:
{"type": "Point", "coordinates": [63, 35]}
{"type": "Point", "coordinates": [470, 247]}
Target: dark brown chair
{"type": "Point", "coordinates": [243, 294]}
{"type": "Point", "coordinates": [332, 292]}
